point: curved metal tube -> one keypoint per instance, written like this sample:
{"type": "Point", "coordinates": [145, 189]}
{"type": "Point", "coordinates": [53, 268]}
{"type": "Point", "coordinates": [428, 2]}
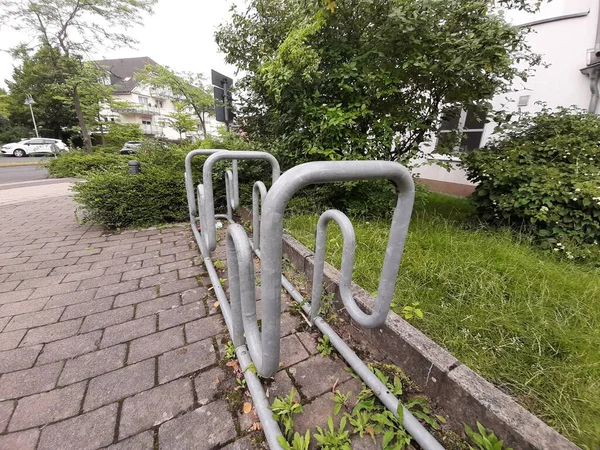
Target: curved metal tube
{"type": "Point", "coordinates": [271, 235]}
{"type": "Point", "coordinates": [349, 245]}
{"type": "Point", "coordinates": [189, 181]}
{"type": "Point", "coordinates": [259, 193]}
{"type": "Point", "coordinates": [208, 210]}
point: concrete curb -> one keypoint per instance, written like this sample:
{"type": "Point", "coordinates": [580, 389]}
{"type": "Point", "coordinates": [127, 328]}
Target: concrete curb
{"type": "Point", "coordinates": [465, 395]}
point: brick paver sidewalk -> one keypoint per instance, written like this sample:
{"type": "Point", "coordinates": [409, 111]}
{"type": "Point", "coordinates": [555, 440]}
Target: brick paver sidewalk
{"type": "Point", "coordinates": [116, 341]}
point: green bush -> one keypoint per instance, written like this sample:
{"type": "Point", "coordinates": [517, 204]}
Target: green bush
{"type": "Point", "coordinates": [116, 199]}
{"type": "Point", "coordinates": [77, 164]}
{"type": "Point", "coordinates": [541, 173]}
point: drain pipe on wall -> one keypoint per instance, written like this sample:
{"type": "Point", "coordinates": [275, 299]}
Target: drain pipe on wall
{"type": "Point", "coordinates": [594, 71]}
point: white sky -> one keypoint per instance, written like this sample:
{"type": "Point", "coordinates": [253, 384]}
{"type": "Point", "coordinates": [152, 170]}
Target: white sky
{"type": "Point", "coordinates": [180, 35]}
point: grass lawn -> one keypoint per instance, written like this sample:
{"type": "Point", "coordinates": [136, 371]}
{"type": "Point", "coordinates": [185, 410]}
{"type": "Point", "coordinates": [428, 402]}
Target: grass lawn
{"type": "Point", "coordinates": [522, 319]}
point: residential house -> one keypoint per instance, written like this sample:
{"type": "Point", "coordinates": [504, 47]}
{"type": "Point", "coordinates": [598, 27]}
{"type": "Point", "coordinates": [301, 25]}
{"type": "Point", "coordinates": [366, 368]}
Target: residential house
{"type": "Point", "coordinates": [567, 35]}
{"type": "Point", "coordinates": [141, 104]}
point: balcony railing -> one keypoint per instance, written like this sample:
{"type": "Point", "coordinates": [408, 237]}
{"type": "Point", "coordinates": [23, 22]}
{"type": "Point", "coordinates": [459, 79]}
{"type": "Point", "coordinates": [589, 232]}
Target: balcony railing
{"type": "Point", "coordinates": [152, 130]}
{"type": "Point", "coordinates": [139, 109]}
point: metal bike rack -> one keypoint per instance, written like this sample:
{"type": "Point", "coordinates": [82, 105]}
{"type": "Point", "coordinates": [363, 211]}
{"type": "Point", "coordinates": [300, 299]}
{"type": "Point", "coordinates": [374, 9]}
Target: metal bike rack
{"type": "Point", "coordinates": [262, 347]}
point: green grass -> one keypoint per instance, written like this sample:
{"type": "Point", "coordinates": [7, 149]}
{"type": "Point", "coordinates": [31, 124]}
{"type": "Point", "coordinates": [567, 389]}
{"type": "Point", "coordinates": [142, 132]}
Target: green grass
{"type": "Point", "coordinates": [524, 320]}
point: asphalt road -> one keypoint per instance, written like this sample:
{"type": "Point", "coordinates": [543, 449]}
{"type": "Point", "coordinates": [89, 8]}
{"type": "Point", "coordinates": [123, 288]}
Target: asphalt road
{"type": "Point", "coordinates": [22, 173]}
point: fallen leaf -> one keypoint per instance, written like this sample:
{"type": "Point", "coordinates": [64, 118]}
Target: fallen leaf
{"type": "Point", "coordinates": [234, 365]}
{"type": "Point", "coordinates": [247, 407]}
{"type": "Point", "coordinates": [217, 380]}
{"type": "Point", "coordinates": [256, 426]}
{"type": "Point", "coordinates": [216, 304]}
{"type": "Point", "coordinates": [335, 385]}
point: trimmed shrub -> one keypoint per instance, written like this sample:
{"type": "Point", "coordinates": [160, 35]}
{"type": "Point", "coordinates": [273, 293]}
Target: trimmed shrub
{"type": "Point", "coordinates": [116, 199]}
{"type": "Point", "coordinates": [77, 164]}
{"type": "Point", "coordinates": [119, 133]}
{"type": "Point", "coordinates": [542, 173]}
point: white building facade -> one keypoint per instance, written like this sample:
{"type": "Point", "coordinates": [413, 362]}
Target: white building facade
{"type": "Point", "coordinates": [144, 105]}
{"type": "Point", "coordinates": [566, 34]}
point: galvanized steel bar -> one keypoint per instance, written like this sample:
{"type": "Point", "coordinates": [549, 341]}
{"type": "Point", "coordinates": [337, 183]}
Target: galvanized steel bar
{"type": "Point", "coordinates": [209, 233]}
{"type": "Point", "coordinates": [259, 193]}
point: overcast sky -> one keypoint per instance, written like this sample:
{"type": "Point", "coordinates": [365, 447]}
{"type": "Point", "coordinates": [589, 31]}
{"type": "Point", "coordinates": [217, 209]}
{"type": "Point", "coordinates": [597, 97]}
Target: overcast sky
{"type": "Point", "coordinates": [180, 35]}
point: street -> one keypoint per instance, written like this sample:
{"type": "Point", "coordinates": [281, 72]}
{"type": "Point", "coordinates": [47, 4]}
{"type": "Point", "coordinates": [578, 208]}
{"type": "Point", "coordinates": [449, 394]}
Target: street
{"type": "Point", "coordinates": [22, 173]}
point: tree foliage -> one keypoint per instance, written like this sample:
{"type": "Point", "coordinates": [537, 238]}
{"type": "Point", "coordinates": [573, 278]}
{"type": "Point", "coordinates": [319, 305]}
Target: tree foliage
{"type": "Point", "coordinates": [181, 121]}
{"type": "Point", "coordinates": [366, 78]}
{"type": "Point", "coordinates": [541, 171]}
{"type": "Point", "coordinates": [186, 88]}
{"type": "Point", "coordinates": [73, 27]}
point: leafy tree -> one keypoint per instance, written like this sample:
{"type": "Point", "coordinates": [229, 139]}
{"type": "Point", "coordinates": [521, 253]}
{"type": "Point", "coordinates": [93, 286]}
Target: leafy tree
{"type": "Point", "coordinates": [187, 88]}
{"type": "Point", "coordinates": [181, 120]}
{"type": "Point", "coordinates": [43, 75]}
{"type": "Point", "coordinates": [119, 133]}
{"type": "Point", "coordinates": [73, 27]}
{"type": "Point", "coordinates": [4, 101]}
{"type": "Point", "coordinates": [366, 78]}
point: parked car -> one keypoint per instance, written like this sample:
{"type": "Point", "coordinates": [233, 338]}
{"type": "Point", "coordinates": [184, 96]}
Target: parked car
{"type": "Point", "coordinates": [34, 146]}
{"type": "Point", "coordinates": [130, 147]}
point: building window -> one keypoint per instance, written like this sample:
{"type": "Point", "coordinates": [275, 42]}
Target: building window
{"type": "Point", "coordinates": [143, 100]}
{"type": "Point", "coordinates": [160, 104]}
{"type": "Point", "coordinates": [523, 100]}
{"type": "Point", "coordinates": [146, 122]}
{"type": "Point", "coordinates": [469, 123]}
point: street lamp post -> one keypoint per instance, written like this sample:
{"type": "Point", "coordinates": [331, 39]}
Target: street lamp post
{"type": "Point", "coordinates": [29, 101]}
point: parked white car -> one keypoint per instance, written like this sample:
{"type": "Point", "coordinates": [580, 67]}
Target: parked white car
{"type": "Point", "coordinates": [34, 146]}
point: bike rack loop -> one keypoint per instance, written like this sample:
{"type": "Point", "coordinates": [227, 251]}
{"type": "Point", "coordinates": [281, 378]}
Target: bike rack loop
{"type": "Point", "coordinates": [209, 204]}
{"type": "Point", "coordinates": [239, 246]}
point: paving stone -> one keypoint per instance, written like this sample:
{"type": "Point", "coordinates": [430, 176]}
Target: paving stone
{"type": "Point", "coordinates": [194, 295]}
{"type": "Point", "coordinates": [289, 323]}
{"type": "Point", "coordinates": [50, 265]}
{"type": "Point", "coordinates": [93, 364]}
{"type": "Point", "coordinates": [41, 409]}
{"type": "Point", "coordinates": [6, 410]}
{"type": "Point", "coordinates": [186, 360]}
{"type": "Point", "coordinates": [155, 406]}
{"type": "Point", "coordinates": [7, 286]}
{"type": "Point", "coordinates": [89, 431]}
{"type": "Point", "coordinates": [207, 384]}
{"type": "Point", "coordinates": [202, 429]}
{"type": "Point", "coordinates": [318, 375]}
{"type": "Point", "coordinates": [245, 443]}
{"type": "Point", "coordinates": [10, 340]}
{"type": "Point", "coordinates": [87, 308]}
{"type": "Point", "coordinates": [142, 256]}
{"type": "Point", "coordinates": [107, 318]}
{"type": "Point", "coordinates": [185, 255]}
{"type": "Point", "coordinates": [178, 286]}
{"type": "Point", "coordinates": [105, 280]}
{"type": "Point", "coordinates": [75, 268]}
{"type": "Point", "coordinates": [203, 328]}
{"type": "Point", "coordinates": [292, 351]}
{"type": "Point", "coordinates": [39, 282]}
{"type": "Point", "coordinates": [158, 260]}
{"type": "Point", "coordinates": [3, 322]}
{"type": "Point", "coordinates": [29, 274]}
{"type": "Point", "coordinates": [72, 298]}
{"type": "Point", "coordinates": [121, 383]}
{"type": "Point", "coordinates": [128, 331]}
{"type": "Point", "coordinates": [116, 289]}
{"type": "Point", "coordinates": [140, 273]}
{"type": "Point", "coordinates": [78, 276]}
{"type": "Point", "coordinates": [121, 268]}
{"type": "Point", "coordinates": [316, 414]}
{"type": "Point", "coordinates": [23, 440]}
{"type": "Point", "coordinates": [34, 319]}
{"type": "Point", "coordinates": [70, 347]}
{"type": "Point", "coordinates": [191, 272]}
{"type": "Point", "coordinates": [137, 296]}
{"type": "Point", "coordinates": [172, 266]}
{"type": "Point", "coordinates": [157, 305]}
{"type": "Point", "coordinates": [47, 291]}
{"type": "Point", "coordinates": [20, 268]}
{"type": "Point", "coordinates": [23, 307]}
{"type": "Point", "coordinates": [53, 332]}
{"type": "Point", "coordinates": [309, 341]}
{"type": "Point", "coordinates": [16, 296]}
{"type": "Point", "coordinates": [280, 386]}
{"type": "Point", "coordinates": [180, 315]}
{"type": "Point", "coordinates": [155, 344]}
{"type": "Point", "coordinates": [158, 279]}
{"type": "Point", "coordinates": [108, 264]}
{"type": "Point", "coordinates": [29, 381]}
{"type": "Point", "coordinates": [18, 359]}
{"type": "Point", "coordinates": [142, 441]}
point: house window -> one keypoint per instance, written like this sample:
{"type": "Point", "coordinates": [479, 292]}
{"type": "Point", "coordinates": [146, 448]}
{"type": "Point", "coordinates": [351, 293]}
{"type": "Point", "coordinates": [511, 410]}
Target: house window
{"type": "Point", "coordinates": [469, 123]}
{"type": "Point", "coordinates": [143, 100]}
{"type": "Point", "coordinates": [146, 122]}
{"type": "Point", "coordinates": [160, 104]}
{"type": "Point", "coordinates": [523, 100]}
